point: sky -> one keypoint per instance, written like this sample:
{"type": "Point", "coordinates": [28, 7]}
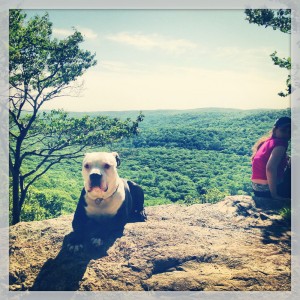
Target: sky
{"type": "Point", "coordinates": [173, 59]}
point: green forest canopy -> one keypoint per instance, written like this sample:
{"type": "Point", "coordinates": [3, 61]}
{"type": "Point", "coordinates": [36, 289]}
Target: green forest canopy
{"type": "Point", "coordinates": [191, 156]}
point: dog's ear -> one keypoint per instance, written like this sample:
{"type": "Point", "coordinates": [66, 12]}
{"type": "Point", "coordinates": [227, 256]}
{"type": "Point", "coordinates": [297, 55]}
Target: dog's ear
{"type": "Point", "coordinates": [116, 155]}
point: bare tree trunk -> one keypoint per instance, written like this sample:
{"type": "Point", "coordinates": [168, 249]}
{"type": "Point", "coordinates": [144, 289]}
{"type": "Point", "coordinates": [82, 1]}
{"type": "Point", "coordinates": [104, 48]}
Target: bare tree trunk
{"type": "Point", "coordinates": [16, 171]}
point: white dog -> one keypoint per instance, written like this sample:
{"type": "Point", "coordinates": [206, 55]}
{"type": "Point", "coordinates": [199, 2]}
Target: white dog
{"type": "Point", "coordinates": [107, 202]}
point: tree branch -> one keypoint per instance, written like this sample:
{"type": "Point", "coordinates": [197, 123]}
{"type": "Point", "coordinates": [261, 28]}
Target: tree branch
{"type": "Point", "coordinates": [50, 155]}
{"type": "Point", "coordinates": [20, 126]}
{"type": "Point", "coordinates": [24, 190]}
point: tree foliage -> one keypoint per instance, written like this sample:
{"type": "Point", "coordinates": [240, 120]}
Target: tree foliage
{"type": "Point", "coordinates": [42, 68]}
{"type": "Point", "coordinates": [286, 64]}
{"type": "Point", "coordinates": [279, 19]}
{"type": "Point", "coordinates": [275, 18]}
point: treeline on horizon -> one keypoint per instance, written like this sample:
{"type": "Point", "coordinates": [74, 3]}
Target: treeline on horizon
{"type": "Point", "coordinates": [194, 156]}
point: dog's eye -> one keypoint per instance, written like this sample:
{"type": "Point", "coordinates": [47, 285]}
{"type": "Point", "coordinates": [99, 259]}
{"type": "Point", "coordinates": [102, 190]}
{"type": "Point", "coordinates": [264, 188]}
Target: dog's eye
{"type": "Point", "coordinates": [87, 166]}
{"type": "Point", "coordinates": [106, 166]}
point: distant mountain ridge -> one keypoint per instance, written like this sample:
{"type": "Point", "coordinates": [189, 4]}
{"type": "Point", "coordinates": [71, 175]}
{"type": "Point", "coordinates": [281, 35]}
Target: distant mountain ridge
{"type": "Point", "coordinates": [170, 111]}
{"type": "Point", "coordinates": [211, 117]}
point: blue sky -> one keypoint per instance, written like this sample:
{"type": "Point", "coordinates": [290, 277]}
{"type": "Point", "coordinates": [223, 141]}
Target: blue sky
{"type": "Point", "coordinates": [174, 59]}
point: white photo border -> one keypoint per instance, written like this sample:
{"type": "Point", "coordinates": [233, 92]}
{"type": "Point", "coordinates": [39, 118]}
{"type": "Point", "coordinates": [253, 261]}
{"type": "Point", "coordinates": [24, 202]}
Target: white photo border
{"type": "Point", "coordinates": [5, 5]}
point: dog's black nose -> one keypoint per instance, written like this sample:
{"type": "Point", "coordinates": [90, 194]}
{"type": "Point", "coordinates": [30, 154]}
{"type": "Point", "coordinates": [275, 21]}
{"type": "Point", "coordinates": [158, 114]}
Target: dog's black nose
{"type": "Point", "coordinates": [95, 179]}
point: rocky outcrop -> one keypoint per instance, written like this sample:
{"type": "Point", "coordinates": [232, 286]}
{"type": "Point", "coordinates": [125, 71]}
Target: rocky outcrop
{"type": "Point", "coordinates": [234, 245]}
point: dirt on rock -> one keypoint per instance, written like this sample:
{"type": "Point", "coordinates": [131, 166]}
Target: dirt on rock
{"type": "Point", "coordinates": [234, 245]}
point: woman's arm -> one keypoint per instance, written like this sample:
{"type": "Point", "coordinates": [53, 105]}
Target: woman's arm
{"type": "Point", "coordinates": [271, 170]}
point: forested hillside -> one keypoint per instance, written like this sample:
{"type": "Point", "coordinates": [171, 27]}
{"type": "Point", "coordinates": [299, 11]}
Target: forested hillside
{"type": "Point", "coordinates": [191, 156]}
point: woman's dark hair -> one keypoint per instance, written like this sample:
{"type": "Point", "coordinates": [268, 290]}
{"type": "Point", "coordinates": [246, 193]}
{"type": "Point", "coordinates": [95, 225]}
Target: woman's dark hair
{"type": "Point", "coordinates": [283, 121]}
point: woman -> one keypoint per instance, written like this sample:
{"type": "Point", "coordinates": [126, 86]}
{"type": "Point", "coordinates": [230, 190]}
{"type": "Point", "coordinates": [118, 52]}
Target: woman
{"type": "Point", "coordinates": [271, 176]}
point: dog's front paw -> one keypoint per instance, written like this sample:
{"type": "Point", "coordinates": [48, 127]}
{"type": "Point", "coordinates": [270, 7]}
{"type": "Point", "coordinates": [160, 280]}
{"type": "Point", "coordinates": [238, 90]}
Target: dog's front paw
{"type": "Point", "coordinates": [74, 248]}
{"type": "Point", "coordinates": [143, 216]}
{"type": "Point", "coordinates": [75, 243]}
{"type": "Point", "coordinates": [97, 242]}
{"type": "Point", "coordinates": [139, 216]}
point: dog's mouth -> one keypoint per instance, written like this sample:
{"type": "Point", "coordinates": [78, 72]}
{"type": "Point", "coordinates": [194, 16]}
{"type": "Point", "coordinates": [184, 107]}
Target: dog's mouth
{"type": "Point", "coordinates": [96, 184]}
{"type": "Point", "coordinates": [97, 189]}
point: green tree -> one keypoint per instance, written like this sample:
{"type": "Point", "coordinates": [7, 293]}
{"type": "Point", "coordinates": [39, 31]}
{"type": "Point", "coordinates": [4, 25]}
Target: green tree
{"type": "Point", "coordinates": [279, 19]}
{"type": "Point", "coordinates": [213, 195]}
{"type": "Point", "coordinates": [42, 68]}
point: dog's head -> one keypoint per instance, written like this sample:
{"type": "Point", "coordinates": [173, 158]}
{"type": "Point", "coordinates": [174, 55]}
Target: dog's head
{"type": "Point", "coordinates": [99, 171]}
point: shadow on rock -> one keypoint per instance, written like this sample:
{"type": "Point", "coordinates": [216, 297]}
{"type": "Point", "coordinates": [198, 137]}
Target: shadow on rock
{"type": "Point", "coordinates": [279, 230]}
{"type": "Point", "coordinates": [65, 272]}
{"type": "Point", "coordinates": [270, 204]}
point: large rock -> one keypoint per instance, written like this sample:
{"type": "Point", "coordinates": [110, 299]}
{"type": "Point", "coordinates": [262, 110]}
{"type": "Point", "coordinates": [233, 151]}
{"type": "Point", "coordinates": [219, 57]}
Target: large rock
{"type": "Point", "coordinates": [231, 245]}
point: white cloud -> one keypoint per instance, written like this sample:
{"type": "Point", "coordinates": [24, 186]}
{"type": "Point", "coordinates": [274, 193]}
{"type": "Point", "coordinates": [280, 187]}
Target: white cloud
{"type": "Point", "coordinates": [86, 32]}
{"type": "Point", "coordinates": [232, 52]}
{"type": "Point", "coordinates": [239, 58]}
{"type": "Point", "coordinates": [153, 41]}
{"type": "Point", "coordinates": [113, 66]}
{"type": "Point", "coordinates": [121, 67]}
{"type": "Point", "coordinates": [176, 88]}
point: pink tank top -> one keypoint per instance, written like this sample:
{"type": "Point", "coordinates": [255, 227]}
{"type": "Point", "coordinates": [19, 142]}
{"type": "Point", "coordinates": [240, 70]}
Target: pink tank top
{"type": "Point", "coordinates": [261, 158]}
